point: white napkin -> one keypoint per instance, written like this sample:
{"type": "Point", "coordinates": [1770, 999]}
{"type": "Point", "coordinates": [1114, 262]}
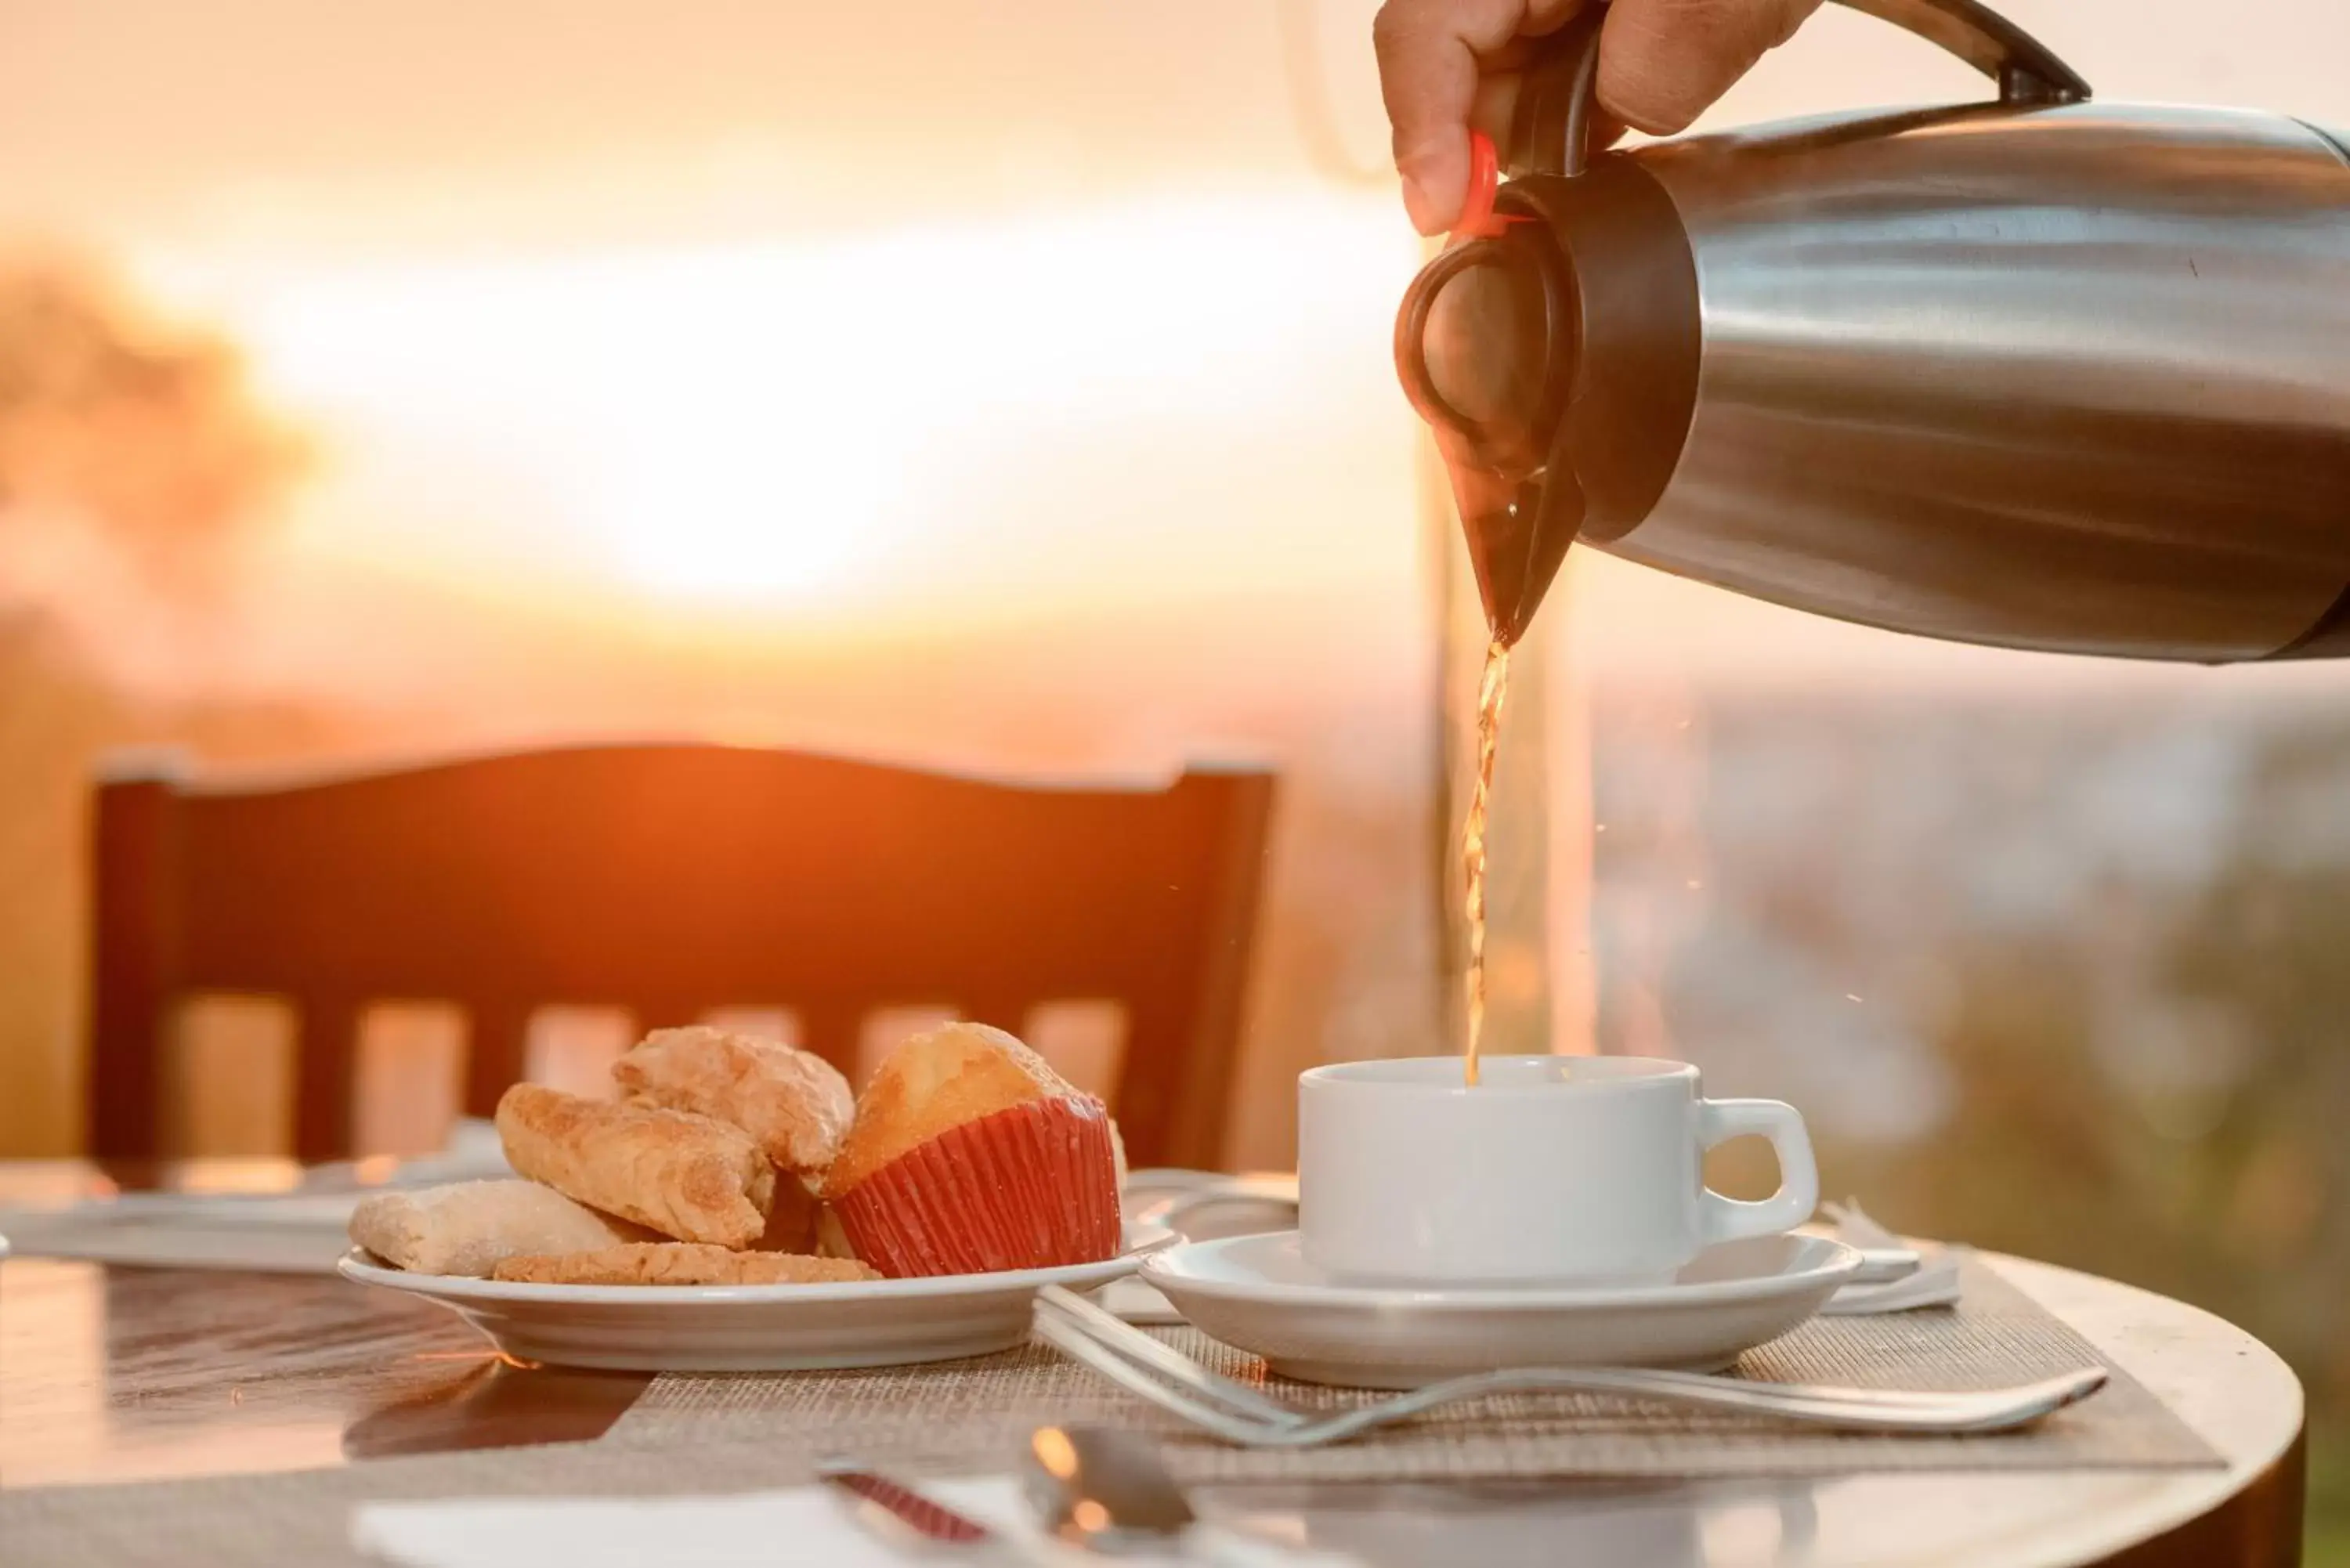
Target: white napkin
{"type": "Point", "coordinates": [1935, 1283]}
{"type": "Point", "coordinates": [803, 1527]}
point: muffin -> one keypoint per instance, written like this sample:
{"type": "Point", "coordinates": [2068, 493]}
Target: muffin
{"type": "Point", "coordinates": [969, 1155]}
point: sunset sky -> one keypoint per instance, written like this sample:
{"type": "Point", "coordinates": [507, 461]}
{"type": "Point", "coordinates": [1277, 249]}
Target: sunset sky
{"type": "Point", "coordinates": [948, 383]}
{"type": "Point", "coordinates": [743, 326]}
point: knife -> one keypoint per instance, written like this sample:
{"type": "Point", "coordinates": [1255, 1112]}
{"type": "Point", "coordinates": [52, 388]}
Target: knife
{"type": "Point", "coordinates": [890, 1509]}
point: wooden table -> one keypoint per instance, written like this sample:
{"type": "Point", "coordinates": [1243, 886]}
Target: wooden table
{"type": "Point", "coordinates": [116, 1374]}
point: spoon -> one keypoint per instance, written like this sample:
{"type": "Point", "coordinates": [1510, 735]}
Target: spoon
{"type": "Point", "coordinates": [1104, 1490]}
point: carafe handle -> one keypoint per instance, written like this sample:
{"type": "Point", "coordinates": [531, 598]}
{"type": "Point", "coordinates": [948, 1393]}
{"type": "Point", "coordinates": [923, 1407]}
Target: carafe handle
{"type": "Point", "coordinates": [1552, 131]}
{"type": "Point", "coordinates": [2026, 69]}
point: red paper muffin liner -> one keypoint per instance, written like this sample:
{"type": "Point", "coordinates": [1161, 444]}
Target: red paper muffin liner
{"type": "Point", "coordinates": [1033, 1187]}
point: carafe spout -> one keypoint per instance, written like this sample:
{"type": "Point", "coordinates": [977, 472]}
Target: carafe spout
{"type": "Point", "coordinates": [1518, 531]}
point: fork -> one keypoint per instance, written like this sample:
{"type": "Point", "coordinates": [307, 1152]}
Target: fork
{"type": "Point", "coordinates": [1241, 1414]}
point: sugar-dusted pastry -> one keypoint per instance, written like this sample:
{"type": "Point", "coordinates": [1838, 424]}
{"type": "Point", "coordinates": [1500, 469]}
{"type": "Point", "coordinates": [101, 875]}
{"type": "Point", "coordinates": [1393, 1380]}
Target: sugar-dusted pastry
{"type": "Point", "coordinates": [469, 1227]}
{"type": "Point", "coordinates": [679, 1263]}
{"type": "Point", "coordinates": [684, 1176]}
{"type": "Point", "coordinates": [795, 1102]}
{"type": "Point", "coordinates": [970, 1155]}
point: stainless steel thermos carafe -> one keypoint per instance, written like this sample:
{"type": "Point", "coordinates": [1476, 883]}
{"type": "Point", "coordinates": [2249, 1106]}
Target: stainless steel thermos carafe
{"type": "Point", "coordinates": [2040, 372]}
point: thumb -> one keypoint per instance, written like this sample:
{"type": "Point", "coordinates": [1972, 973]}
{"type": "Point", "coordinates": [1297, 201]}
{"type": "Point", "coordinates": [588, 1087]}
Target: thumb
{"type": "Point", "coordinates": [1443, 66]}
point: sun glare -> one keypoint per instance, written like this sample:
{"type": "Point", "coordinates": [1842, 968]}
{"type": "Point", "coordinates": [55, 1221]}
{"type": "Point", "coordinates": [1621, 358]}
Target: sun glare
{"type": "Point", "coordinates": [805, 421]}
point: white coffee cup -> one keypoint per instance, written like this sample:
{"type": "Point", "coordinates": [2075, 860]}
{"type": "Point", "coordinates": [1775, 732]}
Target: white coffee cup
{"type": "Point", "coordinates": [1550, 1168]}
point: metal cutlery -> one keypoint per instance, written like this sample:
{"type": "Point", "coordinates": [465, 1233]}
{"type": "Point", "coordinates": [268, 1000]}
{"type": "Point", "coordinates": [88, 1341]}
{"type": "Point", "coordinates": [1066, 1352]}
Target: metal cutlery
{"type": "Point", "coordinates": [1105, 1491]}
{"type": "Point", "coordinates": [1093, 1490]}
{"type": "Point", "coordinates": [1179, 1204]}
{"type": "Point", "coordinates": [898, 1514]}
{"type": "Point", "coordinates": [1241, 1414]}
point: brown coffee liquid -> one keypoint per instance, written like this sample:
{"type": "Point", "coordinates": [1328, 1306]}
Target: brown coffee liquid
{"type": "Point", "coordinates": [1493, 690]}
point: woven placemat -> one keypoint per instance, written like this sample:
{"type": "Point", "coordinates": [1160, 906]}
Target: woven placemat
{"type": "Point", "coordinates": [973, 1413]}
{"type": "Point", "coordinates": [715, 1435]}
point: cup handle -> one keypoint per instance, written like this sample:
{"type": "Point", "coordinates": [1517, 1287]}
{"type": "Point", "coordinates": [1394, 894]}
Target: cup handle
{"type": "Point", "coordinates": [1726, 1219]}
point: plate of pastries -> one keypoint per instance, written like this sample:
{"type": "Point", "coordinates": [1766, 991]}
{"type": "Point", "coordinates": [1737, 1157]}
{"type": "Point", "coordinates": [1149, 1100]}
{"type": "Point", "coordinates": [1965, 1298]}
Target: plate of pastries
{"type": "Point", "coordinates": [734, 1208]}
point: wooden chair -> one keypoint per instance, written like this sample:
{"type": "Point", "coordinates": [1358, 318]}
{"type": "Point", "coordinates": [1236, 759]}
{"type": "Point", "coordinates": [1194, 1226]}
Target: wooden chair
{"type": "Point", "coordinates": [671, 880]}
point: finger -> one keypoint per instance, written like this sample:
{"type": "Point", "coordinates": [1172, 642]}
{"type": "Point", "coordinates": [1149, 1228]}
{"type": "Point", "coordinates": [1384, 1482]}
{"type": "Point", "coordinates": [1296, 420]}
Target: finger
{"type": "Point", "coordinates": [1662, 63]}
{"type": "Point", "coordinates": [1433, 56]}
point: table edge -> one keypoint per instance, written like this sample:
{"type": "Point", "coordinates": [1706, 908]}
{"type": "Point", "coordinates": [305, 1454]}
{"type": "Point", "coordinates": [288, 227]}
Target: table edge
{"type": "Point", "coordinates": [2180, 1497]}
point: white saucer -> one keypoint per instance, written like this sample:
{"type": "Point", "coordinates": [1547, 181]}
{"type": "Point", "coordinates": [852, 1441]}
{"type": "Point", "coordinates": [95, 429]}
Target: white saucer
{"type": "Point", "coordinates": [747, 1328]}
{"type": "Point", "coordinates": [1258, 1294]}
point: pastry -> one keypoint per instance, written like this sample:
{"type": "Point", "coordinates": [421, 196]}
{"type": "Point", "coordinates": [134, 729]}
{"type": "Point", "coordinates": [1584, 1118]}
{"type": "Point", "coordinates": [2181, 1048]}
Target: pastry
{"type": "Point", "coordinates": [793, 1221]}
{"type": "Point", "coordinates": [470, 1227]}
{"type": "Point", "coordinates": [796, 1103]}
{"type": "Point", "coordinates": [679, 1263]}
{"type": "Point", "coordinates": [969, 1155]}
{"type": "Point", "coordinates": [683, 1175]}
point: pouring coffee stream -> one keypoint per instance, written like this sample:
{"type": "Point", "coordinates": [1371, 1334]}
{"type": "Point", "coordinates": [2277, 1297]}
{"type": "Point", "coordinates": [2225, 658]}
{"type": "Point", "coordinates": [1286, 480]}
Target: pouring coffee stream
{"type": "Point", "coordinates": [2036, 373]}
{"type": "Point", "coordinates": [1493, 691]}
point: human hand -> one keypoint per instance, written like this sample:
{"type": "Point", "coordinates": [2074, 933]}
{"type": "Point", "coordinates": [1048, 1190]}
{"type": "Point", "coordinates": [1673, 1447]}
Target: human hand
{"type": "Point", "coordinates": [1449, 66]}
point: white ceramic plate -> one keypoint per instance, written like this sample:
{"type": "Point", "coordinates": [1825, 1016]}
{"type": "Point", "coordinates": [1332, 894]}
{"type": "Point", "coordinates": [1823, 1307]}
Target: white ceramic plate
{"type": "Point", "coordinates": [748, 1328]}
{"type": "Point", "coordinates": [1259, 1294]}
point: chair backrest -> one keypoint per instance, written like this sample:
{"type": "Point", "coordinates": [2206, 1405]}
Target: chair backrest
{"type": "Point", "coordinates": [671, 880]}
